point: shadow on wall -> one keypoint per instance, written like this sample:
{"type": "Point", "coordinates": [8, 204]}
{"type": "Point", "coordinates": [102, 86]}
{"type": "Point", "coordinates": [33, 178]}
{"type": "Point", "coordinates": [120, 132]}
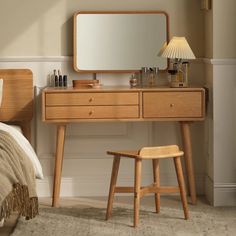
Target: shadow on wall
{"type": "Point", "coordinates": [17, 16]}
{"type": "Point", "coordinates": [67, 35]}
{"type": "Point", "coordinates": [195, 26]}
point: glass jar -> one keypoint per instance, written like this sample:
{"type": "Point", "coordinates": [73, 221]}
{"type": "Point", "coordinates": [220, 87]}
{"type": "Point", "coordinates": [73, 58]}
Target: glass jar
{"type": "Point", "coordinates": [185, 68]}
{"type": "Point", "coordinates": [151, 79]}
{"type": "Point", "coordinates": [133, 81]}
{"type": "Point", "coordinates": [144, 77]}
{"type": "Point", "coordinates": [173, 78]}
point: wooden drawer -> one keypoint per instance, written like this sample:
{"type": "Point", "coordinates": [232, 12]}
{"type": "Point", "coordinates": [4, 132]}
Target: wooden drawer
{"type": "Point", "coordinates": [92, 112]}
{"type": "Point", "coordinates": [104, 98]}
{"type": "Point", "coordinates": [184, 104]}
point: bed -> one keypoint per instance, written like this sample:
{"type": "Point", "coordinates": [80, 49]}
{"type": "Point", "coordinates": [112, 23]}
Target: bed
{"type": "Point", "coordinates": [19, 165]}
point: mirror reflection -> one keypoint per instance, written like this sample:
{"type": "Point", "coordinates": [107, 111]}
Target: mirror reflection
{"type": "Point", "coordinates": [119, 41]}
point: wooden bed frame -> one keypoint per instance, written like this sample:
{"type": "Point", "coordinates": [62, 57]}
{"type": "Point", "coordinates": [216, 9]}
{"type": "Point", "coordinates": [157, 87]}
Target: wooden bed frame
{"type": "Point", "coordinates": [17, 99]}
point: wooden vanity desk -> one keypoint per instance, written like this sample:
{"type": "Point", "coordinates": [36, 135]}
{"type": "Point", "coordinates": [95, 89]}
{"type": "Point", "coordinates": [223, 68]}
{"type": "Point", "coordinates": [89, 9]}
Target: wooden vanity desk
{"type": "Point", "coordinates": [67, 105]}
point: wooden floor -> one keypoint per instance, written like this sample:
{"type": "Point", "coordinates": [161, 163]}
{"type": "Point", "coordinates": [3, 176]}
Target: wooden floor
{"type": "Point", "coordinates": [170, 201]}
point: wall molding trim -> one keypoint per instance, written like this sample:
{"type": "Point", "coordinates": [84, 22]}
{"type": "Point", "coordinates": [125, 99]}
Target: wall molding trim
{"type": "Point", "coordinates": [212, 61]}
{"type": "Point", "coordinates": [58, 59]}
{"type": "Point", "coordinates": [225, 185]}
{"type": "Point", "coordinates": [219, 61]}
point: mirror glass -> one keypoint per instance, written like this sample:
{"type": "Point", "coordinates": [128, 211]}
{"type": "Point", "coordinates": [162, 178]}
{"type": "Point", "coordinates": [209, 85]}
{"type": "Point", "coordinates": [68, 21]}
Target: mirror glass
{"type": "Point", "coordinates": [119, 41]}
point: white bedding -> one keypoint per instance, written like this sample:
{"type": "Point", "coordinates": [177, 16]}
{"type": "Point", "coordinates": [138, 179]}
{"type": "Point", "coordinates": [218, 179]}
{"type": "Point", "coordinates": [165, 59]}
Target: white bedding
{"type": "Point", "coordinates": [15, 132]}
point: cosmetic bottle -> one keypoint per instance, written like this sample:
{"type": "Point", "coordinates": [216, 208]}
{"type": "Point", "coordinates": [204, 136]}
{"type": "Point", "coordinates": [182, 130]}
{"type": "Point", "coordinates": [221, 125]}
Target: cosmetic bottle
{"type": "Point", "coordinates": [65, 80]}
{"type": "Point", "coordinates": [60, 78]}
{"type": "Point", "coordinates": [55, 79]}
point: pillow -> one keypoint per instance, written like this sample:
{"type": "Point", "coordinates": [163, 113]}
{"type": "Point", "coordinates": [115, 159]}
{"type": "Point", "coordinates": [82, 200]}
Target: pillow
{"type": "Point", "coordinates": [26, 146]}
{"type": "Point", "coordinates": [1, 91]}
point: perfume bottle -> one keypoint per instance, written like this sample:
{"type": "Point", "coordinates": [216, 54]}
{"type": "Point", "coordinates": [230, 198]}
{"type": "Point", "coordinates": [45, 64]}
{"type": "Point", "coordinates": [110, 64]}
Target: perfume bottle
{"type": "Point", "coordinates": [60, 78]}
{"type": "Point", "coordinates": [153, 76]}
{"type": "Point", "coordinates": [55, 79]}
{"type": "Point", "coordinates": [65, 80]}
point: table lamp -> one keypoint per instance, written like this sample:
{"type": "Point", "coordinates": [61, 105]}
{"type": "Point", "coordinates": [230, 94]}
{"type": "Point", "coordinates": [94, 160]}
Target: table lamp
{"type": "Point", "coordinates": [178, 49]}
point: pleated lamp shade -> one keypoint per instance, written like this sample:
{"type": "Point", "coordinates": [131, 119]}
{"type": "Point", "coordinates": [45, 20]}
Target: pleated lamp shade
{"type": "Point", "coordinates": [178, 47]}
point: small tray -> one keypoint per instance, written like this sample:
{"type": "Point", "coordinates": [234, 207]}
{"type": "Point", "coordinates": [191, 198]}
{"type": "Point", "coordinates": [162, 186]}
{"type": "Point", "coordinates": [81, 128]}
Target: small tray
{"type": "Point", "coordinates": [85, 83]}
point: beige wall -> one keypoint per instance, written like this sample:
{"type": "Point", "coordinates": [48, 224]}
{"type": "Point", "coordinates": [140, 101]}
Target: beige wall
{"type": "Point", "coordinates": [224, 30]}
{"type": "Point", "coordinates": [44, 28]}
{"type": "Point", "coordinates": [208, 35]}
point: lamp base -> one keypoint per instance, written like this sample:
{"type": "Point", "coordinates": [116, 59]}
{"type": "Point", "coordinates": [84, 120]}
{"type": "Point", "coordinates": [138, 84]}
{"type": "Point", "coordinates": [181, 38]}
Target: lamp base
{"type": "Point", "coordinates": [178, 84]}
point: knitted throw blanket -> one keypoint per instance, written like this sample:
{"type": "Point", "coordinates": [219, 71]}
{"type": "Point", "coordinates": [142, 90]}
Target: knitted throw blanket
{"type": "Point", "coordinates": [17, 180]}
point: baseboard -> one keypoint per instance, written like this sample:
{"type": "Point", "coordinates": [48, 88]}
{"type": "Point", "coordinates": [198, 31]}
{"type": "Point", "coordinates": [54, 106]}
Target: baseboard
{"type": "Point", "coordinates": [225, 194]}
{"type": "Point", "coordinates": [220, 194]}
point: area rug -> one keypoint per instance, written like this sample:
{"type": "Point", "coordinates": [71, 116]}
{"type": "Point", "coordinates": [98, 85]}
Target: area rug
{"type": "Point", "coordinates": [90, 222]}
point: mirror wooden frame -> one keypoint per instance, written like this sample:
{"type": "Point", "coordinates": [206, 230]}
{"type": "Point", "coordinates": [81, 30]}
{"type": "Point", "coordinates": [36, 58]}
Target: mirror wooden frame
{"type": "Point", "coordinates": [75, 56]}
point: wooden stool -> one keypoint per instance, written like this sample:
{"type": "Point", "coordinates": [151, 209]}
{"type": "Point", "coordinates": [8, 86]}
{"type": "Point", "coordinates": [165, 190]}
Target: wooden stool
{"type": "Point", "coordinates": [153, 153]}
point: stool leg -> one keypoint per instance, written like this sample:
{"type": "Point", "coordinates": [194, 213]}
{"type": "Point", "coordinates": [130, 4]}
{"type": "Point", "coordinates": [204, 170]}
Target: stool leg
{"type": "Point", "coordinates": [137, 187]}
{"type": "Point", "coordinates": [114, 174]}
{"type": "Point", "coordinates": [156, 177]}
{"type": "Point", "coordinates": [180, 177]}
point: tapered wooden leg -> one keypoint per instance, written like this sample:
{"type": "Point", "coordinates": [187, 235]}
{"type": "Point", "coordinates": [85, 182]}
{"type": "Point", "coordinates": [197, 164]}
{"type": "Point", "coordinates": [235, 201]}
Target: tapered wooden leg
{"type": "Point", "coordinates": [156, 177]}
{"type": "Point", "coordinates": [180, 177]}
{"type": "Point", "coordinates": [185, 130]}
{"type": "Point", "coordinates": [61, 129]}
{"type": "Point", "coordinates": [114, 174]}
{"type": "Point", "coordinates": [137, 187]}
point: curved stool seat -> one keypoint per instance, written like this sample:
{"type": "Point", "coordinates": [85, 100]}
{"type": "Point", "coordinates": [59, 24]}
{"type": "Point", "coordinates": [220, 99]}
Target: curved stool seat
{"type": "Point", "coordinates": [153, 153]}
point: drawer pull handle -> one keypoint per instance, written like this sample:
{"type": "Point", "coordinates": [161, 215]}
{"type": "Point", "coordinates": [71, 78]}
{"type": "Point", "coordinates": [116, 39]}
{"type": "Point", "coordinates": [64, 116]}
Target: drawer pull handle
{"type": "Point", "coordinates": [90, 113]}
{"type": "Point", "coordinates": [172, 104]}
{"type": "Point", "coordinates": [90, 99]}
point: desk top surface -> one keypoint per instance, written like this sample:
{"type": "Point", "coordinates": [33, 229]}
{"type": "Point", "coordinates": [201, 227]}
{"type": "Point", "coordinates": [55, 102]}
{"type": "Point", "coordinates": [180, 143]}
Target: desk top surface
{"type": "Point", "coordinates": [121, 88]}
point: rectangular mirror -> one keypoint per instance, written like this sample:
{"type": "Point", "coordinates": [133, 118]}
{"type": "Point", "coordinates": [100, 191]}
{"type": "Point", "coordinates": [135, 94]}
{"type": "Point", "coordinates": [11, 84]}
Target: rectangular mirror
{"type": "Point", "coordinates": [119, 41]}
